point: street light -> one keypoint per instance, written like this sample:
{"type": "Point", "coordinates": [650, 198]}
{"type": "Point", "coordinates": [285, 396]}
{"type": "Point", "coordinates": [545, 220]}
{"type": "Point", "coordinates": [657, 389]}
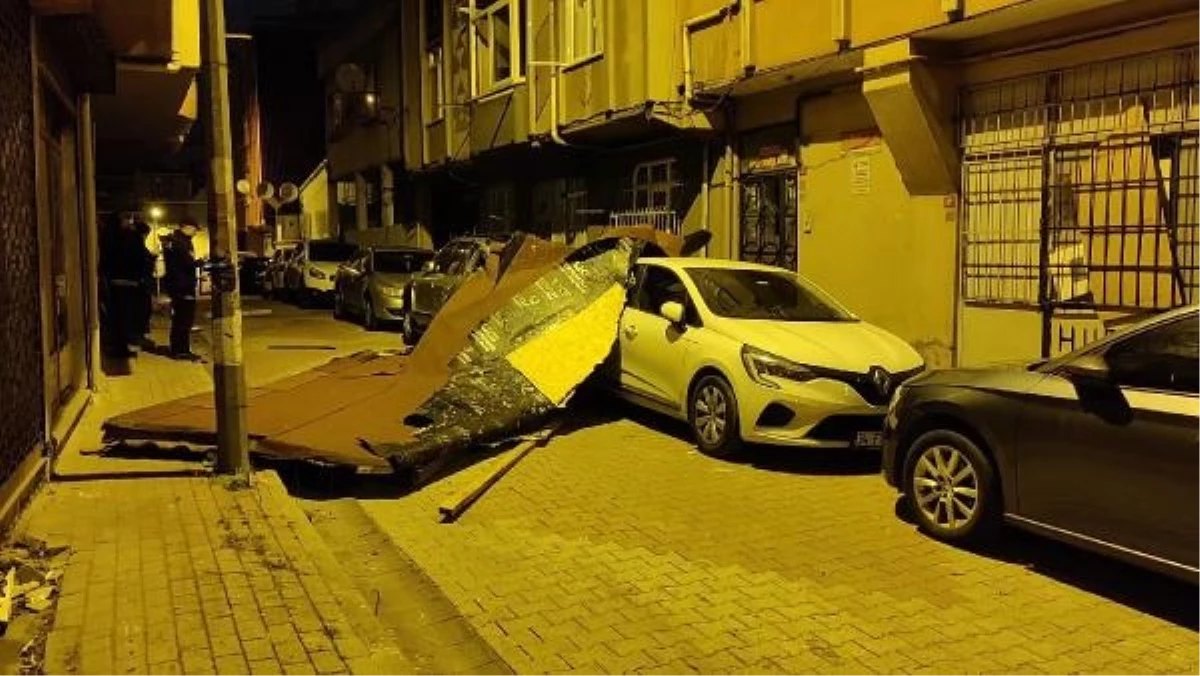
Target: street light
{"type": "Point", "coordinates": [156, 212]}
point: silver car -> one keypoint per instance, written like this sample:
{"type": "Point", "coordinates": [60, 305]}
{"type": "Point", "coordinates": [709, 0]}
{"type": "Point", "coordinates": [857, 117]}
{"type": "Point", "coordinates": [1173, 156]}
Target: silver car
{"type": "Point", "coordinates": [371, 284]}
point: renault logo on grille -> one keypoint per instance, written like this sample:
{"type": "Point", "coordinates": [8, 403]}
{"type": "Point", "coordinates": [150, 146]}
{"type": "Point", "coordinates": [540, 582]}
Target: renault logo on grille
{"type": "Point", "coordinates": [881, 380]}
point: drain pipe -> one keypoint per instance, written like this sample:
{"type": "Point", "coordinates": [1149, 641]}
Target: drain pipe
{"type": "Point", "coordinates": [555, 66]}
{"type": "Point", "coordinates": [532, 87]}
{"type": "Point", "coordinates": [555, 74]}
{"type": "Point", "coordinates": [704, 193]}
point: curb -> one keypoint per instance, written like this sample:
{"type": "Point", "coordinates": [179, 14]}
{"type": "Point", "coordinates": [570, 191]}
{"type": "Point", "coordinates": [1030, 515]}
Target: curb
{"type": "Point", "coordinates": [387, 657]}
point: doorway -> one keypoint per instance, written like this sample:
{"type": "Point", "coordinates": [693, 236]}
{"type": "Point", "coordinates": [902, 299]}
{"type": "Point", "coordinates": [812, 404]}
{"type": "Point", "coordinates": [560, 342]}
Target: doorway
{"type": "Point", "coordinates": [62, 244]}
{"type": "Point", "coordinates": [769, 225]}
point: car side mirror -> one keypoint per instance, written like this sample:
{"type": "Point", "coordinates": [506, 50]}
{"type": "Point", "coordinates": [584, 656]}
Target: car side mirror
{"type": "Point", "coordinates": [1088, 370]}
{"type": "Point", "coordinates": [427, 267]}
{"type": "Point", "coordinates": [672, 311]}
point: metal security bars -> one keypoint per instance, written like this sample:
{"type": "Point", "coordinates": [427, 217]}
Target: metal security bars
{"type": "Point", "coordinates": [659, 219]}
{"type": "Point", "coordinates": [21, 381]}
{"type": "Point", "coordinates": [1080, 188]}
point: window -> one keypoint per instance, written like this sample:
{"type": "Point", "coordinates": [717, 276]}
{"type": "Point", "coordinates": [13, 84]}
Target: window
{"type": "Point", "coordinates": [654, 185]}
{"type": "Point", "coordinates": [498, 209]}
{"type": "Point", "coordinates": [1164, 358]}
{"type": "Point", "coordinates": [399, 262]}
{"type": "Point", "coordinates": [581, 29]}
{"type": "Point", "coordinates": [331, 252]}
{"type": "Point", "coordinates": [435, 75]}
{"type": "Point", "coordinates": [761, 294]}
{"type": "Point", "coordinates": [497, 44]}
{"type": "Point", "coordinates": [446, 259]}
{"type": "Point", "coordinates": [658, 286]}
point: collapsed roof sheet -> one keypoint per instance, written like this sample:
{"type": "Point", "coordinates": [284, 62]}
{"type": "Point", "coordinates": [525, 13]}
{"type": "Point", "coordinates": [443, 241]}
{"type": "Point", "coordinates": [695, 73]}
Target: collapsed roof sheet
{"type": "Point", "coordinates": [336, 412]}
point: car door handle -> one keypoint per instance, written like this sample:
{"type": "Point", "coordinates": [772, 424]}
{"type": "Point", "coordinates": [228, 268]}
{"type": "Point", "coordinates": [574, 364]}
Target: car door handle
{"type": "Point", "coordinates": [631, 332]}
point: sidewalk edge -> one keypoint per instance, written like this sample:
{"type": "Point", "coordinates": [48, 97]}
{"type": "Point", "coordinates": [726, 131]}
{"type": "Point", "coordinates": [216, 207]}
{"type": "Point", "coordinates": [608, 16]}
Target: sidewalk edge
{"type": "Point", "coordinates": [388, 656]}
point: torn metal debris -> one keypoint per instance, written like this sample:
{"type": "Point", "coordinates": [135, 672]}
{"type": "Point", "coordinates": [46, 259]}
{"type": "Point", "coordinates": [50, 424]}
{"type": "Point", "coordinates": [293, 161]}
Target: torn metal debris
{"type": "Point", "coordinates": [506, 350]}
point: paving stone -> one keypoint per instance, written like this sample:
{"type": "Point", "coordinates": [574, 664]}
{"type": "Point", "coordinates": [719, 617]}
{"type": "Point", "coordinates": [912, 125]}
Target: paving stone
{"type": "Point", "coordinates": [656, 550]}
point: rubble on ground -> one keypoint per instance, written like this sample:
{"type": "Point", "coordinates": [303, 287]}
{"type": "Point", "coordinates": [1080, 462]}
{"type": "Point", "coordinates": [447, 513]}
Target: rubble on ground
{"type": "Point", "coordinates": [32, 569]}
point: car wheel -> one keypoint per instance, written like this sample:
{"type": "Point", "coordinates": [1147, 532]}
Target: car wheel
{"type": "Point", "coordinates": [370, 322]}
{"type": "Point", "coordinates": [339, 306]}
{"type": "Point", "coordinates": [411, 335]}
{"type": "Point", "coordinates": [713, 414]}
{"type": "Point", "coordinates": [950, 486]}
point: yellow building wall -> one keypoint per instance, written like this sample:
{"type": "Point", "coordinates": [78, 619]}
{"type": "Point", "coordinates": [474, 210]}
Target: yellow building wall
{"type": "Point", "coordinates": [993, 335]}
{"type": "Point", "coordinates": [775, 38]}
{"type": "Point", "coordinates": [887, 255]}
{"type": "Point", "coordinates": [185, 32]}
{"type": "Point", "coordinates": [874, 21]}
{"type": "Point", "coordinates": [314, 206]}
{"type": "Point", "coordinates": [639, 62]}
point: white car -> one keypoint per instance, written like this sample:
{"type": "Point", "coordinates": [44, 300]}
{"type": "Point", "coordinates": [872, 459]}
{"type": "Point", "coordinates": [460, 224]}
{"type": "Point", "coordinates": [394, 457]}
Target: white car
{"type": "Point", "coordinates": [312, 270]}
{"type": "Point", "coordinates": [751, 353]}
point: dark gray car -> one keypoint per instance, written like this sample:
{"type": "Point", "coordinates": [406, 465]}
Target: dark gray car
{"type": "Point", "coordinates": [1097, 448]}
{"type": "Point", "coordinates": [371, 284]}
{"type": "Point", "coordinates": [439, 279]}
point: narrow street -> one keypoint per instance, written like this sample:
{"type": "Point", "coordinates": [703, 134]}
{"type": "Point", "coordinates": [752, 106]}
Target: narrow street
{"type": "Point", "coordinates": [619, 548]}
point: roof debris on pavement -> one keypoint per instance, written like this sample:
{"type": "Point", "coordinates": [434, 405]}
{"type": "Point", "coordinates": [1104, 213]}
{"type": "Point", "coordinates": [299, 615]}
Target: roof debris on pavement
{"type": "Point", "coordinates": [508, 348]}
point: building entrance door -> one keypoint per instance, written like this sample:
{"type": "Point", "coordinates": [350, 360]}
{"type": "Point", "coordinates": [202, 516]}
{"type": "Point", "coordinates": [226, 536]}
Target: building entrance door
{"type": "Point", "coordinates": [62, 279]}
{"type": "Point", "coordinates": [769, 225]}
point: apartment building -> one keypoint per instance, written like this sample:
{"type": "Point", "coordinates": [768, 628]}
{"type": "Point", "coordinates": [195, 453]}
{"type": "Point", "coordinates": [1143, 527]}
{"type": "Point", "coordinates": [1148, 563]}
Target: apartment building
{"type": "Point", "coordinates": [81, 78]}
{"type": "Point", "coordinates": [990, 179]}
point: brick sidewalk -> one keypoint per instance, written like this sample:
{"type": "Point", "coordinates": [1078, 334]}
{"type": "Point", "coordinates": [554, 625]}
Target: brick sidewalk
{"type": "Point", "coordinates": [184, 575]}
{"type": "Point", "coordinates": [171, 571]}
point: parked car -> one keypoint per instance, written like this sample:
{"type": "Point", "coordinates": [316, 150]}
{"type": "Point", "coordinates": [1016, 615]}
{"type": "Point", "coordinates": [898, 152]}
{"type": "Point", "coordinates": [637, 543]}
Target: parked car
{"type": "Point", "coordinates": [276, 269]}
{"type": "Point", "coordinates": [1096, 448]}
{"type": "Point", "coordinates": [371, 285]}
{"type": "Point", "coordinates": [751, 353]}
{"type": "Point", "coordinates": [311, 271]}
{"type": "Point", "coordinates": [251, 268]}
{"type": "Point", "coordinates": [433, 285]}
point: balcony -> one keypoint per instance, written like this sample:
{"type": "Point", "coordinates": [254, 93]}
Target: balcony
{"type": "Point", "coordinates": [146, 110]}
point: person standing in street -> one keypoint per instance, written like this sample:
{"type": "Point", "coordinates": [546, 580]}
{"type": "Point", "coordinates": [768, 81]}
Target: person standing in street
{"type": "Point", "coordinates": [180, 282]}
{"type": "Point", "coordinates": [120, 268]}
{"type": "Point", "coordinates": [145, 306]}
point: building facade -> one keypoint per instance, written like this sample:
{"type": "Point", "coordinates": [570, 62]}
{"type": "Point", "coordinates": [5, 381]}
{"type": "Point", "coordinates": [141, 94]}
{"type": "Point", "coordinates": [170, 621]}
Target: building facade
{"type": "Point", "coordinates": [989, 179]}
{"type": "Point", "coordinates": [68, 67]}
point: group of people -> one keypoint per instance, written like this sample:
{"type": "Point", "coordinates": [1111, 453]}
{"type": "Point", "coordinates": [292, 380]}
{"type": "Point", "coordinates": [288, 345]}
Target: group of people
{"type": "Point", "coordinates": [128, 286]}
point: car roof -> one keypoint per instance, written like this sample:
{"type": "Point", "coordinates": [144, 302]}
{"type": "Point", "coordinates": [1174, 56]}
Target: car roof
{"type": "Point", "coordinates": [682, 263]}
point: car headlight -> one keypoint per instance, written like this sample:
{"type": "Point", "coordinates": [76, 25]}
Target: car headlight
{"type": "Point", "coordinates": [391, 291]}
{"type": "Point", "coordinates": [316, 274]}
{"type": "Point", "coordinates": [762, 366]}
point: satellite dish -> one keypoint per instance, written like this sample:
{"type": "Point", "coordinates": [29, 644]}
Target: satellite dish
{"type": "Point", "coordinates": [349, 77]}
{"type": "Point", "coordinates": [275, 202]}
{"type": "Point", "coordinates": [288, 192]}
{"type": "Point", "coordinates": [264, 191]}
{"type": "Point", "coordinates": [243, 186]}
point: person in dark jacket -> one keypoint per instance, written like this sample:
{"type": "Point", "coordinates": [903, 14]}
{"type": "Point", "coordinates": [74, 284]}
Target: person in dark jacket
{"type": "Point", "coordinates": [180, 281]}
{"type": "Point", "coordinates": [145, 307]}
{"type": "Point", "coordinates": [120, 267]}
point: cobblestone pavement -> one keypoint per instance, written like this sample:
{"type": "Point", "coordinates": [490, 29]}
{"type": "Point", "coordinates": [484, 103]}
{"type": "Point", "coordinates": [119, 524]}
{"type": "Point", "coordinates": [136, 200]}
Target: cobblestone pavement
{"type": "Point", "coordinates": [183, 575]}
{"type": "Point", "coordinates": [618, 548]}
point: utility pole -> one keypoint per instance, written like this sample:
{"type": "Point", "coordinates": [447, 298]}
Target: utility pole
{"type": "Point", "coordinates": [229, 377]}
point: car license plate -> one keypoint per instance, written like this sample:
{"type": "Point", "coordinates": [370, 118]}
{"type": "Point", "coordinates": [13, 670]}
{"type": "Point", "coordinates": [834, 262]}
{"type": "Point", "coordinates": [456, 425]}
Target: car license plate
{"type": "Point", "coordinates": [868, 439]}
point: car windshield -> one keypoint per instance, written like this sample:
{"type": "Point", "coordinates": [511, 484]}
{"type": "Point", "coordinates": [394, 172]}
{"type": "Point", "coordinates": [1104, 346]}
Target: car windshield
{"type": "Point", "coordinates": [330, 252]}
{"type": "Point", "coordinates": [401, 262]}
{"type": "Point", "coordinates": [763, 294]}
